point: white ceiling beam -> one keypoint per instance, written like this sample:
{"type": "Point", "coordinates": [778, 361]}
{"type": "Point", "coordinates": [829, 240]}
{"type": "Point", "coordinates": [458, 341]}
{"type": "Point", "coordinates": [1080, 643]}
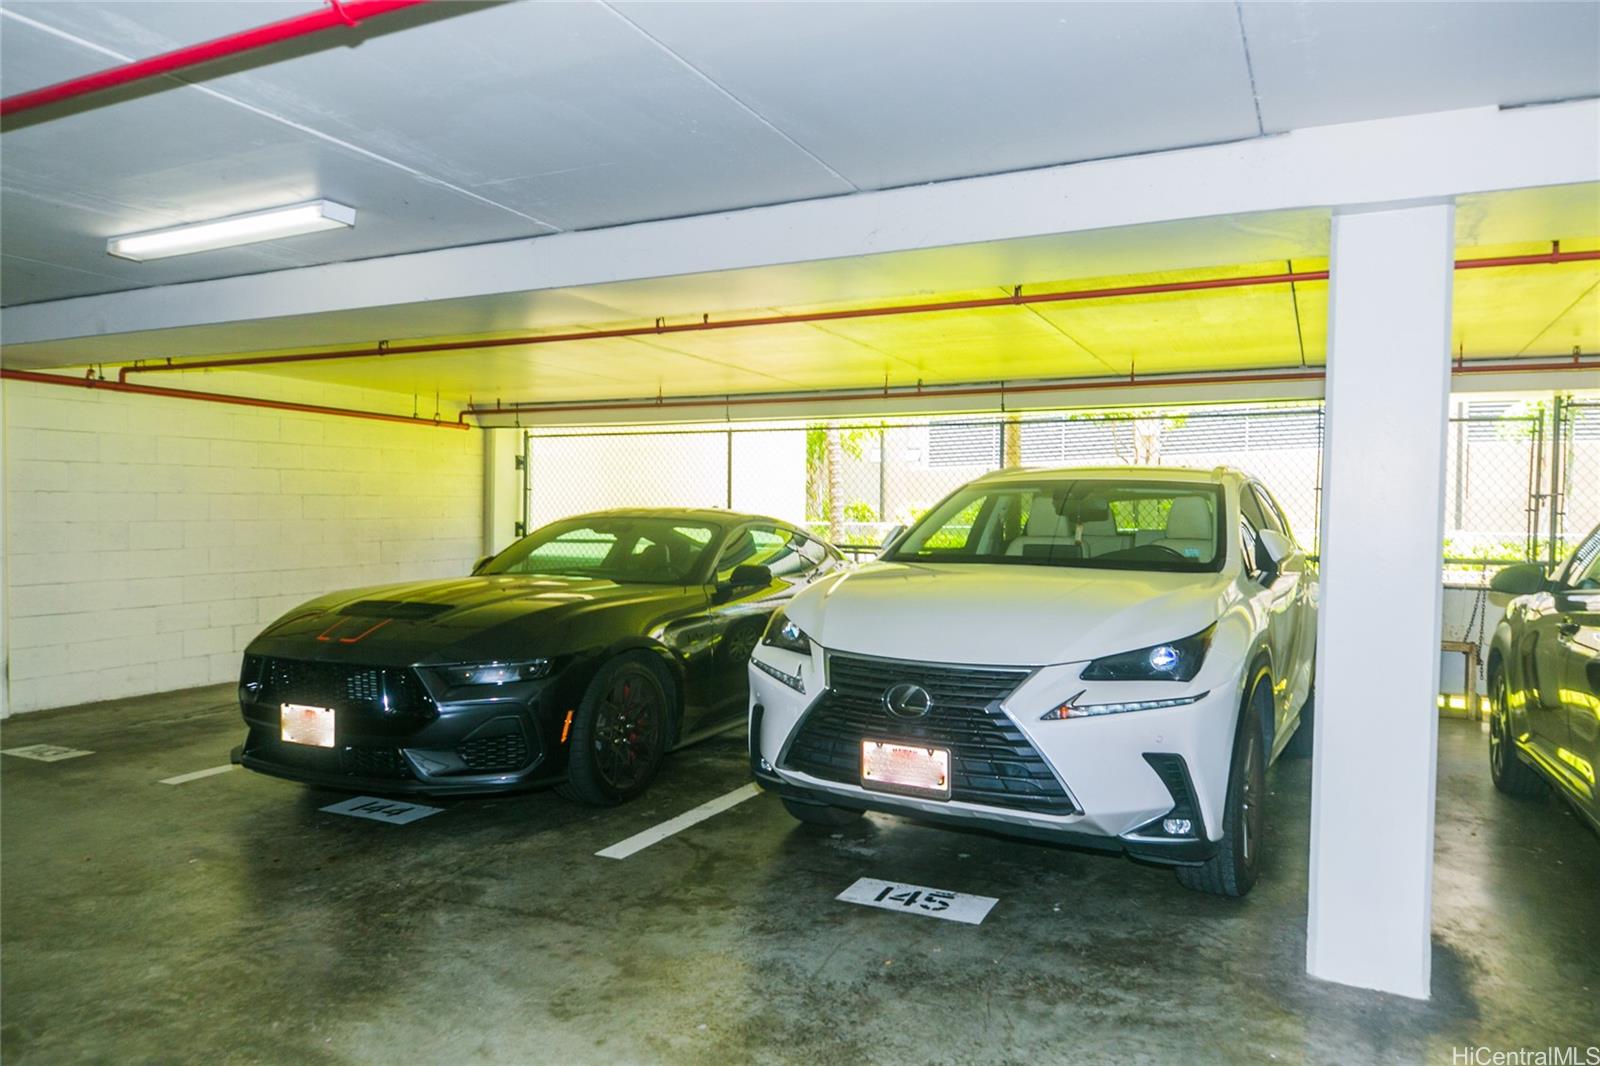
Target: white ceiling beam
{"type": "Point", "coordinates": [1432, 156]}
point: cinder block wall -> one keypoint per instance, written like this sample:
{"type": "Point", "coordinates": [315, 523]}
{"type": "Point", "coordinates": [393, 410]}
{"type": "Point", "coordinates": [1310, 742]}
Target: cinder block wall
{"type": "Point", "coordinates": [147, 540]}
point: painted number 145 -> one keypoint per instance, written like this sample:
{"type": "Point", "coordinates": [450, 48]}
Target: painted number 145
{"type": "Point", "coordinates": [928, 901]}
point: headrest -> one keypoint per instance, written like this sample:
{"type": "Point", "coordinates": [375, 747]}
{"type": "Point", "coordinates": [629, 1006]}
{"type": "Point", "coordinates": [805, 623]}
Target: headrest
{"type": "Point", "coordinates": [1190, 519]}
{"type": "Point", "coordinates": [1044, 522]}
{"type": "Point", "coordinates": [1104, 527]}
{"type": "Point", "coordinates": [655, 558]}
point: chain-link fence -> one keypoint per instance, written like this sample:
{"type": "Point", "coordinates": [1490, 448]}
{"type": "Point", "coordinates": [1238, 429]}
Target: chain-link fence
{"type": "Point", "coordinates": [1577, 506]}
{"type": "Point", "coordinates": [1522, 483]}
{"type": "Point", "coordinates": [853, 481]}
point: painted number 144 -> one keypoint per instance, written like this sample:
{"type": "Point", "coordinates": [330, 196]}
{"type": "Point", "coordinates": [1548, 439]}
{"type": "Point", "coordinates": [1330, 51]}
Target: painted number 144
{"type": "Point", "coordinates": [912, 897]}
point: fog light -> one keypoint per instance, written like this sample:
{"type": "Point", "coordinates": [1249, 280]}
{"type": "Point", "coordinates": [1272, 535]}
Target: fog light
{"type": "Point", "coordinates": [1177, 827]}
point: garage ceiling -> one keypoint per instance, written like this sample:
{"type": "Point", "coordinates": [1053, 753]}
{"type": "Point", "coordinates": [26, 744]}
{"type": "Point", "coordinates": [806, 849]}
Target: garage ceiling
{"type": "Point", "coordinates": [474, 123]}
{"type": "Point", "coordinates": [1501, 312]}
{"type": "Point", "coordinates": [463, 124]}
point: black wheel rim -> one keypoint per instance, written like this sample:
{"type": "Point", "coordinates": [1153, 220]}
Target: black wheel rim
{"type": "Point", "coordinates": [1250, 812]}
{"type": "Point", "coordinates": [627, 728]}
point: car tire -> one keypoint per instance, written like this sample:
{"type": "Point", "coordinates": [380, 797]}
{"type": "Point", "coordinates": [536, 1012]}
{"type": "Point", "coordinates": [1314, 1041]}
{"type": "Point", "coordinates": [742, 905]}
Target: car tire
{"type": "Point", "coordinates": [824, 814]}
{"type": "Point", "coordinates": [621, 731]}
{"type": "Point", "coordinates": [1232, 870]}
{"type": "Point", "coordinates": [1299, 746]}
{"type": "Point", "coordinates": [1511, 775]}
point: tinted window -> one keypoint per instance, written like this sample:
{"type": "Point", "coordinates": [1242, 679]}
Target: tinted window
{"type": "Point", "coordinates": [1272, 511]}
{"type": "Point", "coordinates": [646, 550]}
{"type": "Point", "coordinates": [1250, 507]}
{"type": "Point", "coordinates": [1104, 523]}
{"type": "Point", "coordinates": [764, 545]}
{"type": "Point", "coordinates": [1585, 570]}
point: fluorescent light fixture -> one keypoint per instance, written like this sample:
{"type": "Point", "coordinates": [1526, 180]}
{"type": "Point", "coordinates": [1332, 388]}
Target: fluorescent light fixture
{"type": "Point", "coordinates": [268, 225]}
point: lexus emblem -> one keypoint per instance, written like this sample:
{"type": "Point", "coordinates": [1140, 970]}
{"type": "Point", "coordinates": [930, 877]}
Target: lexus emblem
{"type": "Point", "coordinates": [906, 700]}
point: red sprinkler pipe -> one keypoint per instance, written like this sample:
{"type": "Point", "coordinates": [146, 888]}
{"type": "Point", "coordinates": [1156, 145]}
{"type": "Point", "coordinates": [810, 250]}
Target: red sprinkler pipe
{"type": "Point", "coordinates": [939, 392]}
{"type": "Point", "coordinates": [661, 328]}
{"type": "Point", "coordinates": [219, 397]}
{"type": "Point", "coordinates": [337, 13]}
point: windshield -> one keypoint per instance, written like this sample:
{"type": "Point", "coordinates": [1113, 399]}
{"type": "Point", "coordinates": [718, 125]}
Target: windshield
{"type": "Point", "coordinates": [635, 549]}
{"type": "Point", "coordinates": [1101, 523]}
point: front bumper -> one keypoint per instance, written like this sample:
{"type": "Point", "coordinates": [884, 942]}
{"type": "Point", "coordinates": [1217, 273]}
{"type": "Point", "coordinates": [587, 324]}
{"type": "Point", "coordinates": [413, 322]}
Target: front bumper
{"type": "Point", "coordinates": [510, 741]}
{"type": "Point", "coordinates": [1125, 772]}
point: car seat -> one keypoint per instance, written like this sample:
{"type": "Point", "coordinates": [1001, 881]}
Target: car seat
{"type": "Point", "coordinates": [1191, 528]}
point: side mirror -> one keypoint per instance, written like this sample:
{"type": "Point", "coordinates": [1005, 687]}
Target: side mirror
{"type": "Point", "coordinates": [1519, 580]}
{"type": "Point", "coordinates": [889, 539]}
{"type": "Point", "coordinates": [744, 577]}
{"type": "Point", "coordinates": [477, 567]}
{"type": "Point", "coordinates": [1272, 548]}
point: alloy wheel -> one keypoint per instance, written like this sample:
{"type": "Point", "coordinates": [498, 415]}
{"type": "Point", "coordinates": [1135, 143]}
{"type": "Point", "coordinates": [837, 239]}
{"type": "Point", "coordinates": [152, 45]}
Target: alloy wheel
{"type": "Point", "coordinates": [628, 725]}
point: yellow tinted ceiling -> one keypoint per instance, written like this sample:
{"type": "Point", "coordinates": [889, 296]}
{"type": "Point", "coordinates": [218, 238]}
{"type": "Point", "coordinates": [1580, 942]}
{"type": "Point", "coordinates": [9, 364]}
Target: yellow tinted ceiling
{"type": "Point", "coordinates": [1499, 312]}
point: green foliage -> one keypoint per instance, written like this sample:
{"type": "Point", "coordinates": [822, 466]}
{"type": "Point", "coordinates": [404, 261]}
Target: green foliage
{"type": "Point", "coordinates": [1479, 549]}
{"type": "Point", "coordinates": [857, 511]}
{"type": "Point", "coordinates": [852, 444]}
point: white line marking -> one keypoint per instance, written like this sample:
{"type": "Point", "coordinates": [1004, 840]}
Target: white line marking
{"type": "Point", "coordinates": [919, 899]}
{"type": "Point", "coordinates": [183, 779]}
{"type": "Point", "coordinates": [639, 841]}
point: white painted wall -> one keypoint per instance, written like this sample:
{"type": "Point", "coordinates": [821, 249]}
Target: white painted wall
{"type": "Point", "coordinates": [147, 539]}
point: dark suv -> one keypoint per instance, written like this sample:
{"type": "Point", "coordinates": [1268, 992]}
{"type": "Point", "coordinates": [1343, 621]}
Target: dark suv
{"type": "Point", "coordinates": [1544, 680]}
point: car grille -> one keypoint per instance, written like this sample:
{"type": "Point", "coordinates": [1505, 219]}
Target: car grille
{"type": "Point", "coordinates": [374, 762]}
{"type": "Point", "coordinates": [390, 691]}
{"type": "Point", "coordinates": [359, 762]}
{"type": "Point", "coordinates": [992, 762]}
{"type": "Point", "coordinates": [508, 751]}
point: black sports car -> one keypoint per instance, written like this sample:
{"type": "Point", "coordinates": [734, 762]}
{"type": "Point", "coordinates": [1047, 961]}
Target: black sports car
{"type": "Point", "coordinates": [1544, 681]}
{"type": "Point", "coordinates": [579, 655]}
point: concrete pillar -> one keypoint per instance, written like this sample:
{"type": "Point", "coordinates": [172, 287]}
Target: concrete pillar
{"type": "Point", "coordinates": [1372, 792]}
{"type": "Point", "coordinates": [503, 505]}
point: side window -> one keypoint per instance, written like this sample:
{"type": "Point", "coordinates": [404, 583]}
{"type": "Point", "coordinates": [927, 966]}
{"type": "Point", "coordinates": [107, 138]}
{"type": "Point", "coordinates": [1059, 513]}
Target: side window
{"type": "Point", "coordinates": [777, 549]}
{"type": "Point", "coordinates": [815, 555]}
{"type": "Point", "coordinates": [1250, 507]}
{"type": "Point", "coordinates": [1269, 510]}
{"type": "Point", "coordinates": [1247, 546]}
{"type": "Point", "coordinates": [1585, 572]}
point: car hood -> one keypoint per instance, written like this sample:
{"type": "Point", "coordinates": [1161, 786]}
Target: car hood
{"type": "Point", "coordinates": [486, 617]}
{"type": "Point", "coordinates": [998, 614]}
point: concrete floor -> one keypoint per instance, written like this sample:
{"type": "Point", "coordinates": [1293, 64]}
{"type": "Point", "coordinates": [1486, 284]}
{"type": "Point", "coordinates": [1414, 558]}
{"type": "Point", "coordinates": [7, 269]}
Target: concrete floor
{"type": "Point", "coordinates": [228, 920]}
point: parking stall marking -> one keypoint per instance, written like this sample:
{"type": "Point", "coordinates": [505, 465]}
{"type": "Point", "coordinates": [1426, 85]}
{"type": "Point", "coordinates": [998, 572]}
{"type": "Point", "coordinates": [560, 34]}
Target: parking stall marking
{"type": "Point", "coordinates": [639, 841]}
{"type": "Point", "coordinates": [184, 779]}
{"type": "Point", "coordinates": [45, 752]}
{"type": "Point", "coordinates": [919, 899]}
{"type": "Point", "coordinates": [382, 810]}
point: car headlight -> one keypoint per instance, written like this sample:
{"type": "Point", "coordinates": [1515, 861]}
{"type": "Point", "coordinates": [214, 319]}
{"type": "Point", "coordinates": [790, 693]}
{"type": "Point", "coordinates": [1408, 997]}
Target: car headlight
{"type": "Point", "coordinates": [463, 674]}
{"type": "Point", "coordinates": [1175, 660]}
{"type": "Point", "coordinates": [782, 633]}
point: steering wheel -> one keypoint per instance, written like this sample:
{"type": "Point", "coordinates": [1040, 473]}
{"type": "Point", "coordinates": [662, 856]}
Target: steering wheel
{"type": "Point", "coordinates": [1174, 552]}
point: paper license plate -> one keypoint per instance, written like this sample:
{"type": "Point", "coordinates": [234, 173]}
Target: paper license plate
{"type": "Point", "coordinates": [905, 768]}
{"type": "Point", "coordinates": [303, 724]}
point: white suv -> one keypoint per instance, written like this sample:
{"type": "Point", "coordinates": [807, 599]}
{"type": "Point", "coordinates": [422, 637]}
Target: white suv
{"type": "Point", "coordinates": [1107, 657]}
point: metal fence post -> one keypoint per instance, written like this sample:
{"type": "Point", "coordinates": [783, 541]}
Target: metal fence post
{"type": "Point", "coordinates": [1555, 481]}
